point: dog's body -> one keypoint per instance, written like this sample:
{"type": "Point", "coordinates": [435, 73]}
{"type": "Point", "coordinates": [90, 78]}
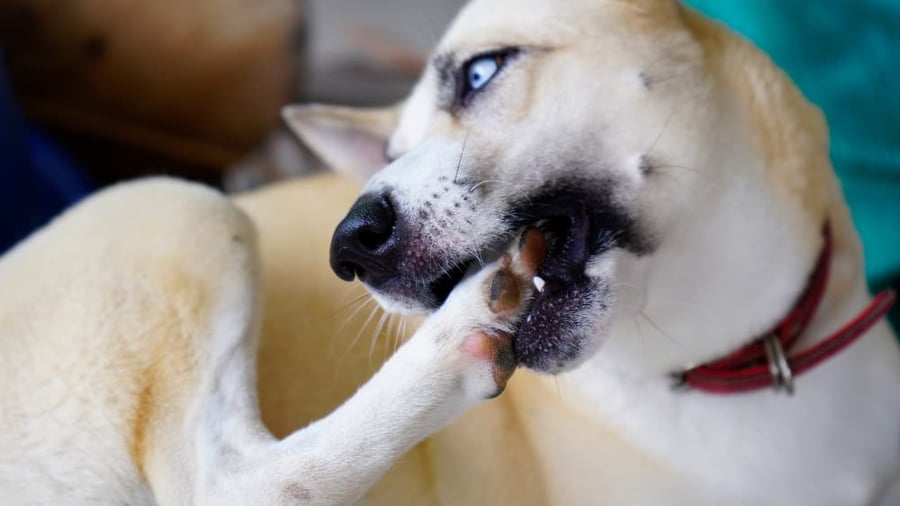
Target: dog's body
{"type": "Point", "coordinates": [686, 185]}
{"type": "Point", "coordinates": [712, 172]}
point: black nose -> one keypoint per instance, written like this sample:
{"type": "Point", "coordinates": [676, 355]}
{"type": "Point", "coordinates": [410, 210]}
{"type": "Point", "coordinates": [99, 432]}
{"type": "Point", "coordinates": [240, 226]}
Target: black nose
{"type": "Point", "coordinates": [365, 243]}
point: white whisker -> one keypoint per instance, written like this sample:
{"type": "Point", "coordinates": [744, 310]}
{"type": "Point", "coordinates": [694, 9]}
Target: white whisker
{"type": "Point", "coordinates": [359, 332]}
{"type": "Point", "coordinates": [482, 183]}
{"type": "Point", "coordinates": [376, 335]}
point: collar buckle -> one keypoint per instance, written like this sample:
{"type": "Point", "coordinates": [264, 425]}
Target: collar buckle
{"type": "Point", "coordinates": [679, 382]}
{"type": "Point", "coordinates": [779, 367]}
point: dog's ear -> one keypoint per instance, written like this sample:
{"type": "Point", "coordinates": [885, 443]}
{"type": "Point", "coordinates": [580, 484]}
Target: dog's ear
{"type": "Point", "coordinates": [350, 140]}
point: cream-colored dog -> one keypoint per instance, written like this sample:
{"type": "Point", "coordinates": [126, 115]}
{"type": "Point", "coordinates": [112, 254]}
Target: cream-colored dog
{"type": "Point", "coordinates": [686, 190]}
{"type": "Point", "coordinates": [686, 201]}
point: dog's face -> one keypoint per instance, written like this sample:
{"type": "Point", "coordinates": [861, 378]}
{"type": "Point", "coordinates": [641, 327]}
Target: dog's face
{"type": "Point", "coordinates": [590, 119]}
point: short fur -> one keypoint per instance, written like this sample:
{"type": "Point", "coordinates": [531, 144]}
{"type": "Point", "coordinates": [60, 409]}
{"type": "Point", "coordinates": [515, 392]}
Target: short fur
{"type": "Point", "coordinates": [130, 334]}
{"type": "Point", "coordinates": [721, 167]}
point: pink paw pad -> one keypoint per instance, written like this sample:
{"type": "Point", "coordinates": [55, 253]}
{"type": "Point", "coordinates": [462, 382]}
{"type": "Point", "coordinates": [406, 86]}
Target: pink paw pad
{"type": "Point", "coordinates": [495, 348]}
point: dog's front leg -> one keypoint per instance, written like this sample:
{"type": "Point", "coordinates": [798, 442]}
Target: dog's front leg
{"type": "Point", "coordinates": [461, 355]}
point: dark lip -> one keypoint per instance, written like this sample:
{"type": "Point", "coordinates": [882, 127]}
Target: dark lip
{"type": "Point", "coordinates": [577, 226]}
{"type": "Point", "coordinates": [579, 218]}
{"type": "Point", "coordinates": [568, 247]}
{"type": "Point", "coordinates": [440, 287]}
{"type": "Point", "coordinates": [566, 229]}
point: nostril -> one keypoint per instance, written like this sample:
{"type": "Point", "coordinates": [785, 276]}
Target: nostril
{"type": "Point", "coordinates": [376, 223]}
{"type": "Point", "coordinates": [346, 270]}
{"type": "Point", "coordinates": [372, 239]}
{"type": "Point", "coordinates": [362, 244]}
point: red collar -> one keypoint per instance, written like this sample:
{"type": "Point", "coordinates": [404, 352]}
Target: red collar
{"type": "Point", "coordinates": [766, 362]}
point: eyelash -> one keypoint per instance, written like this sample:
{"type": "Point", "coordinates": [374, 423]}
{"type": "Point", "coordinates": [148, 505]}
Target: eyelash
{"type": "Point", "coordinates": [465, 92]}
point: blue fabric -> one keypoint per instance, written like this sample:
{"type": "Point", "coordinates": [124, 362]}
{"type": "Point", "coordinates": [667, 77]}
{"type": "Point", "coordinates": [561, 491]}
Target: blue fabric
{"type": "Point", "coordinates": [844, 55]}
{"type": "Point", "coordinates": [36, 180]}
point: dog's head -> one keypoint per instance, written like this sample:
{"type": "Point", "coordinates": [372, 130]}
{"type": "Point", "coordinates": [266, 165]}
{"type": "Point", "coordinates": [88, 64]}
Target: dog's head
{"type": "Point", "coordinates": [599, 121]}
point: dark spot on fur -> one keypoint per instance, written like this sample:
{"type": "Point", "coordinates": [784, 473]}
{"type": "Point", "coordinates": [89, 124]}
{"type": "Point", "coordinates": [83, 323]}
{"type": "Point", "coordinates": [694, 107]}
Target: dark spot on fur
{"type": "Point", "coordinates": [446, 189]}
{"type": "Point", "coordinates": [428, 203]}
{"type": "Point", "coordinates": [449, 212]}
{"type": "Point", "coordinates": [297, 493]}
{"type": "Point", "coordinates": [387, 154]}
{"type": "Point", "coordinates": [457, 205]}
{"type": "Point", "coordinates": [445, 66]}
{"type": "Point", "coordinates": [443, 179]}
{"type": "Point", "coordinates": [95, 47]}
{"type": "Point", "coordinates": [646, 79]}
{"type": "Point", "coordinates": [645, 165]}
{"type": "Point", "coordinates": [436, 195]}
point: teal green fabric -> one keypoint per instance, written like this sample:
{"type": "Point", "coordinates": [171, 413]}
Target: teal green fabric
{"type": "Point", "coordinates": [845, 56]}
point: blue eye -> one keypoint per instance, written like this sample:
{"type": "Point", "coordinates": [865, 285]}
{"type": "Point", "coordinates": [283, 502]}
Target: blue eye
{"type": "Point", "coordinates": [481, 70]}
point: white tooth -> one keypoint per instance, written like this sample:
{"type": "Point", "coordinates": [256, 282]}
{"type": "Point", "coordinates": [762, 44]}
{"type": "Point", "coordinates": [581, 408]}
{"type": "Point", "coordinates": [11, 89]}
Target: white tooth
{"type": "Point", "coordinates": [539, 283]}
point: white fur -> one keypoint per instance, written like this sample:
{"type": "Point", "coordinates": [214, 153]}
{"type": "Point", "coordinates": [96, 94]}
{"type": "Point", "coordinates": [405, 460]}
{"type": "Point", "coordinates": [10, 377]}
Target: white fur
{"type": "Point", "coordinates": [726, 207]}
{"type": "Point", "coordinates": [76, 343]}
{"type": "Point", "coordinates": [603, 85]}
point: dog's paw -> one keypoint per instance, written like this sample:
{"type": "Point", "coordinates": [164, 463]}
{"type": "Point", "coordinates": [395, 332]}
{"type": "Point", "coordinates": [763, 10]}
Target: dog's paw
{"type": "Point", "coordinates": [478, 321]}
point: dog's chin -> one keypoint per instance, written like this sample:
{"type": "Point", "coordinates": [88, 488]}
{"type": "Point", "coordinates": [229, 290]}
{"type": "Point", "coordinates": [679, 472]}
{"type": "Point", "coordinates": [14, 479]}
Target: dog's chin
{"type": "Point", "coordinates": [394, 305]}
{"type": "Point", "coordinates": [560, 329]}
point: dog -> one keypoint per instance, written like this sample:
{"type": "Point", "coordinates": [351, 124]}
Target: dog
{"type": "Point", "coordinates": [700, 259]}
{"type": "Point", "coordinates": [647, 192]}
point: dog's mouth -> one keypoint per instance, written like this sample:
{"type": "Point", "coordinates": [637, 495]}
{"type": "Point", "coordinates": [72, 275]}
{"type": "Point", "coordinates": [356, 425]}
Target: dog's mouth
{"type": "Point", "coordinates": [441, 287]}
{"type": "Point", "coordinates": [567, 254]}
{"type": "Point", "coordinates": [577, 223]}
{"type": "Point", "coordinates": [550, 334]}
{"type": "Point", "coordinates": [566, 229]}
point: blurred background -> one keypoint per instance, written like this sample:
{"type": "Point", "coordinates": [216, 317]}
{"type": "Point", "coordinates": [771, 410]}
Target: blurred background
{"type": "Point", "coordinates": [97, 91]}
